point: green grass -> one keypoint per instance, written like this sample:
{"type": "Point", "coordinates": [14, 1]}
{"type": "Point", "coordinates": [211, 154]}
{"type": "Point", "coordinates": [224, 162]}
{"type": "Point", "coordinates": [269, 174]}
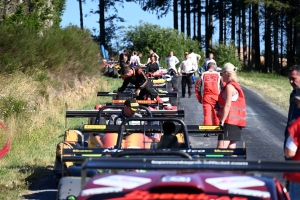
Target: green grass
{"type": "Point", "coordinates": [273, 88]}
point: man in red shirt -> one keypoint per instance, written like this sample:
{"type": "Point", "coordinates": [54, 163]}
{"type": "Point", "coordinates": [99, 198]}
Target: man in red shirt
{"type": "Point", "coordinates": [292, 151]}
{"type": "Point", "coordinates": [210, 89]}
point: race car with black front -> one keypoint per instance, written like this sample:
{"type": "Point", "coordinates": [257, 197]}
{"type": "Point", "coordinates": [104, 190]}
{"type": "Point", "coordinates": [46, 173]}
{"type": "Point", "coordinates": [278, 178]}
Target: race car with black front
{"type": "Point", "coordinates": [183, 178]}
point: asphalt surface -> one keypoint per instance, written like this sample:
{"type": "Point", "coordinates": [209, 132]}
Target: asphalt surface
{"type": "Point", "coordinates": [263, 137]}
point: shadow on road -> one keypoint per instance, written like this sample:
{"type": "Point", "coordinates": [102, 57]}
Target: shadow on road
{"type": "Point", "coordinates": [41, 188]}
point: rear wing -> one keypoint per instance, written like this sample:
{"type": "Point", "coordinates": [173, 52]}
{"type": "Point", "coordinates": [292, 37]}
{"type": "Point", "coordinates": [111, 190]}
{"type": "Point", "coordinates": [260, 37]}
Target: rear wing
{"type": "Point", "coordinates": [129, 94]}
{"type": "Point", "coordinates": [108, 113]}
{"type": "Point", "coordinates": [187, 164]}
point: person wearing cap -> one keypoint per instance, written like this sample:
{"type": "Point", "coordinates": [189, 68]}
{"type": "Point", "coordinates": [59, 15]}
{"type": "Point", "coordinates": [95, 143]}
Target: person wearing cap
{"type": "Point", "coordinates": [210, 88]}
{"type": "Point", "coordinates": [187, 68]}
{"type": "Point", "coordinates": [139, 79]}
{"type": "Point", "coordinates": [292, 151]}
{"type": "Point", "coordinates": [129, 110]}
{"type": "Point", "coordinates": [232, 108]}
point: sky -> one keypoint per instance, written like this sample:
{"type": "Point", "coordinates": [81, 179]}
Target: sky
{"type": "Point", "coordinates": [132, 13]}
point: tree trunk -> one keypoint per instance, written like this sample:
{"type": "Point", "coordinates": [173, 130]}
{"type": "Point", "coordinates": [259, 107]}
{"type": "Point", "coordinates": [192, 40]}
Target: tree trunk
{"type": "Point", "coordinates": [182, 17]}
{"type": "Point", "coordinates": [249, 38]}
{"type": "Point", "coordinates": [175, 14]}
{"type": "Point", "coordinates": [199, 22]}
{"type": "Point", "coordinates": [206, 27]}
{"type": "Point", "coordinates": [255, 38]}
{"type": "Point", "coordinates": [239, 34]}
{"type": "Point", "coordinates": [244, 35]}
{"type": "Point", "coordinates": [275, 32]}
{"type": "Point", "coordinates": [210, 24]}
{"type": "Point", "coordinates": [221, 17]}
{"type": "Point", "coordinates": [102, 22]}
{"type": "Point", "coordinates": [268, 54]}
{"type": "Point", "coordinates": [195, 21]}
{"type": "Point", "coordinates": [80, 13]}
{"type": "Point", "coordinates": [233, 21]}
{"type": "Point", "coordinates": [188, 18]}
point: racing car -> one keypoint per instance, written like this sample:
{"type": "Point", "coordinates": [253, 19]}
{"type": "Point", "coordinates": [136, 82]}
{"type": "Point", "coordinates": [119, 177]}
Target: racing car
{"type": "Point", "coordinates": [110, 68]}
{"type": "Point", "coordinates": [131, 140]}
{"type": "Point", "coordinates": [169, 98]}
{"type": "Point", "coordinates": [182, 178]}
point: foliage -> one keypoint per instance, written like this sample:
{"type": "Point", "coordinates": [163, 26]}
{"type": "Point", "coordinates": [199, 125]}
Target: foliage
{"type": "Point", "coordinates": [58, 49]}
{"type": "Point", "coordinates": [226, 53]}
{"type": "Point", "coordinates": [147, 36]}
{"type": "Point", "coordinates": [37, 14]}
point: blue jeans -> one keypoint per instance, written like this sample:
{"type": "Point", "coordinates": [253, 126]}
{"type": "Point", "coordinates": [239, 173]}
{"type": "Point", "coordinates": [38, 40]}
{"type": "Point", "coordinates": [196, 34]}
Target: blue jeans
{"type": "Point", "coordinates": [294, 190]}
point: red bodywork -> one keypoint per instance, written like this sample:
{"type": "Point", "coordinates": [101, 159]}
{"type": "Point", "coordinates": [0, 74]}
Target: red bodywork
{"type": "Point", "coordinates": [182, 185]}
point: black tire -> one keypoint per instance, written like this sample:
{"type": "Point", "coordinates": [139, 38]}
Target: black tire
{"type": "Point", "coordinates": [105, 71]}
{"type": "Point", "coordinates": [110, 71]}
{"type": "Point", "coordinates": [115, 73]}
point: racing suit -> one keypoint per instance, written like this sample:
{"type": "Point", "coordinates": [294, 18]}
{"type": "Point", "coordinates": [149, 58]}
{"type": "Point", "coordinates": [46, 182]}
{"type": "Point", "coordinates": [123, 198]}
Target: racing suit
{"type": "Point", "coordinates": [141, 81]}
{"type": "Point", "coordinates": [210, 89]}
{"type": "Point", "coordinates": [293, 143]}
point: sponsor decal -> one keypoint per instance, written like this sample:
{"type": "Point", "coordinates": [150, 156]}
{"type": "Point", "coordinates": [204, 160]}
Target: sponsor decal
{"type": "Point", "coordinates": [101, 127]}
{"type": "Point", "coordinates": [182, 196]}
{"type": "Point", "coordinates": [253, 193]}
{"type": "Point", "coordinates": [193, 151]}
{"type": "Point", "coordinates": [234, 182]}
{"type": "Point", "coordinates": [198, 162]}
{"type": "Point", "coordinates": [81, 151]}
{"type": "Point", "coordinates": [209, 128]}
{"type": "Point", "coordinates": [177, 179]}
{"type": "Point", "coordinates": [223, 151]}
{"type": "Point", "coordinates": [105, 190]}
{"type": "Point", "coordinates": [125, 182]}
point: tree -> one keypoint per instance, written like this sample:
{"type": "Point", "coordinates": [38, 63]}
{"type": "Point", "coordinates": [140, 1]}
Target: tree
{"type": "Point", "coordinates": [147, 36]}
{"type": "Point", "coordinates": [80, 13]}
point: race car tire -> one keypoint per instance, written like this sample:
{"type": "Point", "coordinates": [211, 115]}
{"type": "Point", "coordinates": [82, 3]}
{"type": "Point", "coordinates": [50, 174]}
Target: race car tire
{"type": "Point", "coordinates": [174, 82]}
{"type": "Point", "coordinates": [68, 186]}
{"type": "Point", "coordinates": [105, 71]}
{"type": "Point", "coordinates": [110, 71]}
{"type": "Point", "coordinates": [115, 73]}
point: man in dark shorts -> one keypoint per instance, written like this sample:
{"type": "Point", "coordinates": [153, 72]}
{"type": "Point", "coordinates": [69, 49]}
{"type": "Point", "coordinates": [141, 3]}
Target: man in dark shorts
{"type": "Point", "coordinates": [143, 86]}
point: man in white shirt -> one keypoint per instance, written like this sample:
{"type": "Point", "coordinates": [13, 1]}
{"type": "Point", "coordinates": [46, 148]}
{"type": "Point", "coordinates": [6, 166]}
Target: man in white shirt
{"type": "Point", "coordinates": [134, 59]}
{"type": "Point", "coordinates": [195, 58]}
{"type": "Point", "coordinates": [187, 68]}
{"type": "Point", "coordinates": [172, 61]}
{"type": "Point", "coordinates": [204, 66]}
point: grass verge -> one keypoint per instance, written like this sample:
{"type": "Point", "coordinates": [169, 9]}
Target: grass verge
{"type": "Point", "coordinates": [39, 124]}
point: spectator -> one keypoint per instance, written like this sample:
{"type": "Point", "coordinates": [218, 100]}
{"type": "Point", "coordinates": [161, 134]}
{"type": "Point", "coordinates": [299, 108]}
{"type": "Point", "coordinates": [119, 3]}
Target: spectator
{"type": "Point", "coordinates": [294, 111]}
{"type": "Point", "coordinates": [291, 151]}
{"type": "Point", "coordinates": [152, 66]}
{"type": "Point", "coordinates": [152, 53]}
{"type": "Point", "coordinates": [172, 61]}
{"type": "Point", "coordinates": [232, 108]}
{"type": "Point", "coordinates": [186, 69]}
{"type": "Point", "coordinates": [210, 88]}
{"type": "Point", "coordinates": [204, 66]}
{"type": "Point", "coordinates": [133, 59]}
{"type": "Point", "coordinates": [123, 58]}
{"type": "Point", "coordinates": [195, 59]}
{"type": "Point", "coordinates": [139, 60]}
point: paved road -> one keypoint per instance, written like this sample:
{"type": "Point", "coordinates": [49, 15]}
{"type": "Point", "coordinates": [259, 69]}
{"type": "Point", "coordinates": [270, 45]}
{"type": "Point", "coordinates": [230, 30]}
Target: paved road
{"type": "Point", "coordinates": [263, 136]}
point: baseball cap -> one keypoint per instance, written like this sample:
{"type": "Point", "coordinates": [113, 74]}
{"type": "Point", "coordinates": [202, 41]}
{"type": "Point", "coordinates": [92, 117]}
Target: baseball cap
{"type": "Point", "coordinates": [228, 67]}
{"type": "Point", "coordinates": [186, 53]}
{"type": "Point", "coordinates": [131, 103]}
